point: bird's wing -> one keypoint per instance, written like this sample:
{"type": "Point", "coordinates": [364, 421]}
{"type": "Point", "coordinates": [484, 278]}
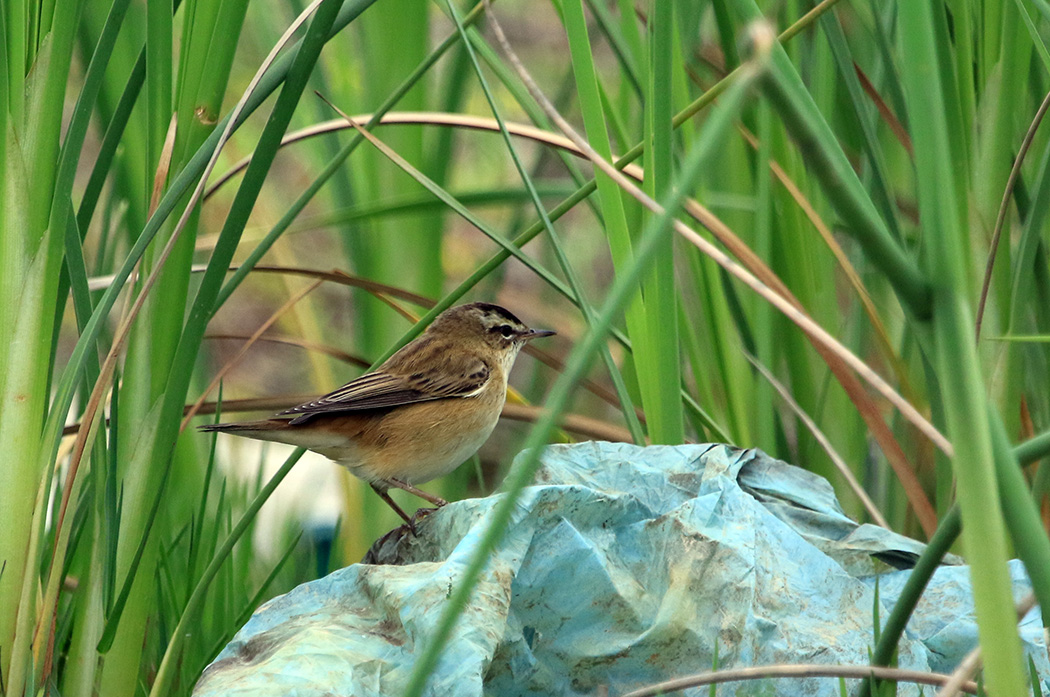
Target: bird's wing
{"type": "Point", "coordinates": [451, 376]}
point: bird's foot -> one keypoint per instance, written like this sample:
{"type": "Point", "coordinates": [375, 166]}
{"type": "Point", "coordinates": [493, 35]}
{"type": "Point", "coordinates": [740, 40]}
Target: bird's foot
{"type": "Point", "coordinates": [422, 513]}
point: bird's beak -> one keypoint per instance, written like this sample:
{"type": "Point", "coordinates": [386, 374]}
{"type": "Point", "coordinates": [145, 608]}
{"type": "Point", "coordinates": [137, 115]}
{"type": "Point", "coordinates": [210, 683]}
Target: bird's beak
{"type": "Point", "coordinates": [536, 334]}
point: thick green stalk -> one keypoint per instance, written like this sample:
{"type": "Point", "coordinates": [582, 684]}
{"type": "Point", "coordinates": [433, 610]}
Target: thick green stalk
{"type": "Point", "coordinates": [159, 79]}
{"type": "Point", "coordinates": [609, 195]}
{"type": "Point", "coordinates": [394, 36]}
{"type": "Point", "coordinates": [25, 402]}
{"type": "Point", "coordinates": [955, 357]}
{"type": "Point", "coordinates": [30, 256]}
{"type": "Point", "coordinates": [662, 366]}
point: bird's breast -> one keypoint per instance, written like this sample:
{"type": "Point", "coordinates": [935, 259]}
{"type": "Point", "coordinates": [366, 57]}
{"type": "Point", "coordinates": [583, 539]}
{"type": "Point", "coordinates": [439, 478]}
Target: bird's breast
{"type": "Point", "coordinates": [419, 442]}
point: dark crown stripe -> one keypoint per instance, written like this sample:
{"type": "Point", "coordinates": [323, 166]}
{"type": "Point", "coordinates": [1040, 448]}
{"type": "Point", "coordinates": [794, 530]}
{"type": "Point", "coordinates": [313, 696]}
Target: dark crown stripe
{"type": "Point", "coordinates": [501, 311]}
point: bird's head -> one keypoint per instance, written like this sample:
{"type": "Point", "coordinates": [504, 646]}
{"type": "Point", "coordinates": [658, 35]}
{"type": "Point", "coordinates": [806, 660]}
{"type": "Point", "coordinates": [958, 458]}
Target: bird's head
{"type": "Point", "coordinates": [493, 325]}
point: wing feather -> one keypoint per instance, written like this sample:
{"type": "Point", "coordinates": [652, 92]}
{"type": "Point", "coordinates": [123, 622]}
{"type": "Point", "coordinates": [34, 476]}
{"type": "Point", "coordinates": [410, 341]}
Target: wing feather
{"type": "Point", "coordinates": [446, 375]}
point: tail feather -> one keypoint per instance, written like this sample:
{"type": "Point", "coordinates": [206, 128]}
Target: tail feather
{"type": "Point", "coordinates": [243, 426]}
{"type": "Point", "coordinates": [275, 430]}
{"type": "Point", "coordinates": [279, 431]}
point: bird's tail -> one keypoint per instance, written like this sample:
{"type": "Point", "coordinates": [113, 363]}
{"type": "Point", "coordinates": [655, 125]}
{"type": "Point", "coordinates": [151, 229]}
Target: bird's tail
{"type": "Point", "coordinates": [251, 429]}
{"type": "Point", "coordinates": [276, 431]}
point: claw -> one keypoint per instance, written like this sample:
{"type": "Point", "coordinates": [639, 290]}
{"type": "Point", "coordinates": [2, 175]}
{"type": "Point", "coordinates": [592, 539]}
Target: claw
{"type": "Point", "coordinates": [422, 513]}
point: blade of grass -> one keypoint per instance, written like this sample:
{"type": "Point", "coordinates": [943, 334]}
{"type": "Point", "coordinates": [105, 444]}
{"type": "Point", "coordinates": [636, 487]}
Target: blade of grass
{"type": "Point", "coordinates": [662, 364]}
{"type": "Point", "coordinates": [257, 599]}
{"type": "Point", "coordinates": [840, 464]}
{"type": "Point", "coordinates": [165, 672]}
{"type": "Point", "coordinates": [819, 147]}
{"type": "Point", "coordinates": [609, 196]}
{"type": "Point", "coordinates": [159, 77]}
{"type": "Point", "coordinates": [962, 389]}
{"type": "Point", "coordinates": [847, 72]}
{"type": "Point", "coordinates": [753, 263]}
{"type": "Point", "coordinates": [626, 404]}
{"type": "Point", "coordinates": [947, 533]}
{"type": "Point", "coordinates": [499, 257]}
{"type": "Point", "coordinates": [622, 288]}
{"type": "Point", "coordinates": [337, 161]}
{"type": "Point", "coordinates": [1000, 219]}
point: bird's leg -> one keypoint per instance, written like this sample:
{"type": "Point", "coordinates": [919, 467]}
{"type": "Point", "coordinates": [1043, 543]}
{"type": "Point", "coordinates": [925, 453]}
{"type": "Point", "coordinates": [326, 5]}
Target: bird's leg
{"type": "Point", "coordinates": [397, 509]}
{"type": "Point", "coordinates": [436, 500]}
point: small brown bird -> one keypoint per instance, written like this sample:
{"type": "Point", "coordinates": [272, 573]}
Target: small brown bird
{"type": "Point", "coordinates": [418, 416]}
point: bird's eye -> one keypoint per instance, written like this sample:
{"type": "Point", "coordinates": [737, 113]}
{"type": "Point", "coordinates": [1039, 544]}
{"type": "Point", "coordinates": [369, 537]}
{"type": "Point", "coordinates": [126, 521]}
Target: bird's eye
{"type": "Point", "coordinates": [506, 330]}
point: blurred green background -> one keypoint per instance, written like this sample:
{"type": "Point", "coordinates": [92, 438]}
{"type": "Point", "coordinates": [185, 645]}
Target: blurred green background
{"type": "Point", "coordinates": [867, 168]}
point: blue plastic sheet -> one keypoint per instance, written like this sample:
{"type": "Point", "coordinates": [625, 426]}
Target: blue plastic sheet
{"type": "Point", "coordinates": [623, 566]}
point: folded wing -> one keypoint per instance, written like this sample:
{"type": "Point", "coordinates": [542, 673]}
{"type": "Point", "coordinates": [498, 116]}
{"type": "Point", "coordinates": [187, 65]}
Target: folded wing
{"type": "Point", "coordinates": [453, 376]}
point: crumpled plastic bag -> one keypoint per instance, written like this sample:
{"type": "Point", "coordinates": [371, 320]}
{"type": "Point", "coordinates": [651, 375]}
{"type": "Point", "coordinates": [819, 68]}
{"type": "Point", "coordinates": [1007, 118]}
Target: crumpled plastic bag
{"type": "Point", "coordinates": [623, 566]}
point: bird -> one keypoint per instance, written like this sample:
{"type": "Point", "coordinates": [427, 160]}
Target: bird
{"type": "Point", "coordinates": [420, 414]}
